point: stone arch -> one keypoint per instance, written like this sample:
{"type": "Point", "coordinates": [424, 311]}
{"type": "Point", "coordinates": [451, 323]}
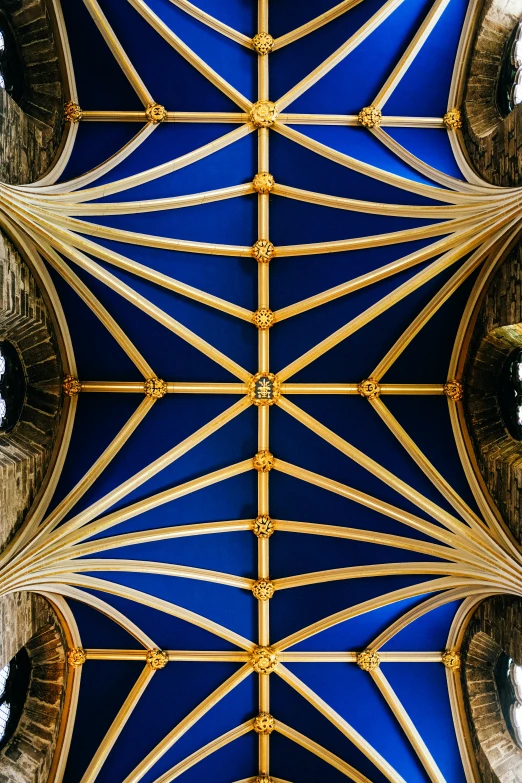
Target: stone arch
{"type": "Point", "coordinates": [494, 143]}
{"type": "Point", "coordinates": [29, 621]}
{"type": "Point", "coordinates": [495, 627]}
{"type": "Point", "coordinates": [31, 131]}
{"type": "Point", "coordinates": [25, 452]}
{"type": "Point", "coordinates": [497, 332]}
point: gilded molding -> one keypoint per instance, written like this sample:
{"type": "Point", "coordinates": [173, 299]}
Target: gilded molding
{"type": "Point", "coordinates": [263, 251]}
{"type": "Point", "coordinates": [451, 660]}
{"type": "Point", "coordinates": [71, 386]}
{"type": "Point", "coordinates": [454, 390]}
{"type": "Point", "coordinates": [155, 387]}
{"type": "Point", "coordinates": [264, 388]}
{"type": "Point", "coordinates": [263, 589]}
{"type": "Point", "coordinates": [72, 112]}
{"type": "Point", "coordinates": [156, 113]}
{"type": "Point", "coordinates": [263, 526]}
{"type": "Point", "coordinates": [264, 779]}
{"type": "Point", "coordinates": [263, 318]}
{"type": "Point", "coordinates": [264, 723]}
{"type": "Point", "coordinates": [263, 114]}
{"type": "Point", "coordinates": [263, 462]}
{"type": "Point", "coordinates": [157, 659]}
{"type": "Point", "coordinates": [370, 117]}
{"type": "Point", "coordinates": [263, 182]}
{"type": "Point", "coordinates": [263, 660]}
{"type": "Point", "coordinates": [453, 119]}
{"type": "Point", "coordinates": [76, 657]}
{"type": "Point", "coordinates": [368, 660]}
{"type": "Point", "coordinates": [263, 43]}
{"type": "Point", "coordinates": [369, 388]}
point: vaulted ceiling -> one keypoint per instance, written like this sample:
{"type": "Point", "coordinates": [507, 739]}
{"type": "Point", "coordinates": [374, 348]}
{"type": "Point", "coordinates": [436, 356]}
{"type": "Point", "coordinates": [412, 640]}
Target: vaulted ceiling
{"type": "Point", "coordinates": [361, 259]}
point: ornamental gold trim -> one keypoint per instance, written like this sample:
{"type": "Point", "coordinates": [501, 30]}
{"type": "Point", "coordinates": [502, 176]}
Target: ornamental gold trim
{"type": "Point", "coordinates": [263, 462]}
{"type": "Point", "coordinates": [155, 387]}
{"type": "Point", "coordinates": [264, 779]}
{"type": "Point", "coordinates": [263, 114]}
{"type": "Point", "coordinates": [453, 119]}
{"type": "Point", "coordinates": [263, 318]}
{"type": "Point", "coordinates": [368, 660]}
{"type": "Point", "coordinates": [264, 388]}
{"type": "Point", "coordinates": [72, 112]}
{"type": "Point", "coordinates": [71, 386]}
{"type": "Point", "coordinates": [263, 182]}
{"type": "Point", "coordinates": [156, 113]}
{"type": "Point", "coordinates": [263, 660]}
{"type": "Point", "coordinates": [263, 526]}
{"type": "Point", "coordinates": [263, 589]}
{"type": "Point", "coordinates": [264, 723]}
{"type": "Point", "coordinates": [370, 117]}
{"type": "Point", "coordinates": [263, 251]}
{"type": "Point", "coordinates": [451, 660]}
{"type": "Point", "coordinates": [263, 43]}
{"type": "Point", "coordinates": [454, 390]}
{"type": "Point", "coordinates": [369, 388]}
{"type": "Point", "coordinates": [76, 657]}
{"type": "Point", "coordinates": [157, 659]}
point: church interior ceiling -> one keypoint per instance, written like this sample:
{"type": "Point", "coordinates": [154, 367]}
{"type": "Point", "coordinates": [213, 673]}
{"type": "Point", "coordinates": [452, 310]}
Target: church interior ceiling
{"type": "Point", "coordinates": [264, 529]}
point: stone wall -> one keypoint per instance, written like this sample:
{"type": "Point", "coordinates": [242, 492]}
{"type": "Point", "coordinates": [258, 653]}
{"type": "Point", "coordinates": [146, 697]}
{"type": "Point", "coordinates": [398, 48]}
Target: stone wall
{"type": "Point", "coordinates": [29, 621]}
{"type": "Point", "coordinates": [498, 331]}
{"type": "Point", "coordinates": [494, 144]}
{"type": "Point", "coordinates": [25, 451]}
{"type": "Point", "coordinates": [31, 133]}
{"type": "Point", "coordinates": [495, 627]}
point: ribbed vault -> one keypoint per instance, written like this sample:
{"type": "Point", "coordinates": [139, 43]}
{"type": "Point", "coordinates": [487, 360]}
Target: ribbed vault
{"type": "Point", "coordinates": [266, 535]}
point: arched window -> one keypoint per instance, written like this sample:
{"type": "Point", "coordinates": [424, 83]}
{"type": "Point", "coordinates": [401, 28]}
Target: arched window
{"type": "Point", "coordinates": [508, 677]}
{"type": "Point", "coordinates": [12, 386]}
{"type": "Point", "coordinates": [509, 394]}
{"type": "Point", "coordinates": [14, 685]}
{"type": "Point", "coordinates": [509, 89]}
{"type": "Point", "coordinates": [11, 68]}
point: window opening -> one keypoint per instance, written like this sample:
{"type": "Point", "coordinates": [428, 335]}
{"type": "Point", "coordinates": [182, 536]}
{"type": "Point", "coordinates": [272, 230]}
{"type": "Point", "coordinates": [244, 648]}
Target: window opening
{"type": "Point", "coordinates": [14, 685]}
{"type": "Point", "coordinates": [12, 386]}
{"type": "Point", "coordinates": [508, 678]}
{"type": "Point", "coordinates": [509, 88]}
